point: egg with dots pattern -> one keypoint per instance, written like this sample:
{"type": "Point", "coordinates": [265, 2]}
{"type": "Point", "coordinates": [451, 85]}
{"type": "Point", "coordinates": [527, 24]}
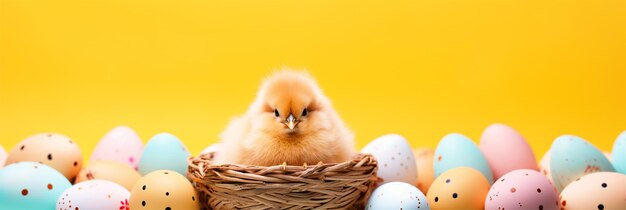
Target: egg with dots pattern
{"type": "Point", "coordinates": [30, 185]}
{"type": "Point", "coordinates": [55, 150]}
{"type": "Point", "coordinates": [522, 189]}
{"type": "Point", "coordinates": [120, 144]}
{"type": "Point", "coordinates": [94, 195]}
{"type": "Point", "coordinates": [397, 195]}
{"type": "Point", "coordinates": [396, 162]}
{"type": "Point", "coordinates": [164, 189]}
{"type": "Point", "coordinates": [600, 190]}
{"type": "Point", "coordinates": [458, 188]}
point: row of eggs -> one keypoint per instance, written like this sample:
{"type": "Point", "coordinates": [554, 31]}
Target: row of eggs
{"type": "Point", "coordinates": [122, 173]}
{"type": "Point", "coordinates": [501, 172]}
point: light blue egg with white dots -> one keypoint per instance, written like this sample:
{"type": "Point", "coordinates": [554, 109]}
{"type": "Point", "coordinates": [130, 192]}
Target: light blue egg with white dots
{"type": "Point", "coordinates": [30, 185]}
{"type": "Point", "coordinates": [571, 157]}
{"type": "Point", "coordinates": [397, 195]}
{"type": "Point", "coordinates": [456, 150]}
{"type": "Point", "coordinates": [164, 151]}
{"type": "Point", "coordinates": [619, 153]}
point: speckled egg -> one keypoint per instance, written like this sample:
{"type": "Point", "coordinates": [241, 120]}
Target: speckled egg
{"type": "Point", "coordinates": [397, 195]}
{"type": "Point", "coordinates": [395, 159]}
{"type": "Point", "coordinates": [572, 157]}
{"type": "Point", "coordinates": [600, 190]}
{"type": "Point", "coordinates": [30, 185]}
{"type": "Point", "coordinates": [544, 166]}
{"type": "Point", "coordinates": [522, 189]}
{"type": "Point", "coordinates": [496, 143]}
{"type": "Point", "coordinates": [619, 153]}
{"type": "Point", "coordinates": [94, 195]}
{"type": "Point", "coordinates": [456, 150]}
{"type": "Point", "coordinates": [114, 171]}
{"type": "Point", "coordinates": [211, 148]}
{"type": "Point", "coordinates": [55, 150]}
{"type": "Point", "coordinates": [121, 144]}
{"type": "Point", "coordinates": [164, 189]}
{"type": "Point", "coordinates": [3, 156]}
{"type": "Point", "coordinates": [164, 151]}
{"type": "Point", "coordinates": [425, 170]}
{"type": "Point", "coordinates": [458, 188]}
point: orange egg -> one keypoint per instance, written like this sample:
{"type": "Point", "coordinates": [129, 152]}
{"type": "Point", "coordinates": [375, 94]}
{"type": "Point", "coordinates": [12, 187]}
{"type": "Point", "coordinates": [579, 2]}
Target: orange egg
{"type": "Point", "coordinates": [117, 172]}
{"type": "Point", "coordinates": [164, 189]}
{"type": "Point", "coordinates": [51, 149]}
{"type": "Point", "coordinates": [425, 170]}
{"type": "Point", "coordinates": [458, 188]}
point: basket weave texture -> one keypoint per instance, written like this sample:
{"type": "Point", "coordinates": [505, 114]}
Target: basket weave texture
{"type": "Point", "coordinates": [344, 185]}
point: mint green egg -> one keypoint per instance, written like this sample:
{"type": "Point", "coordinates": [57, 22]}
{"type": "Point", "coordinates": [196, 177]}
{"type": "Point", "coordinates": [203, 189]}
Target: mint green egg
{"type": "Point", "coordinates": [30, 185]}
{"type": "Point", "coordinates": [164, 151]}
{"type": "Point", "coordinates": [456, 150]}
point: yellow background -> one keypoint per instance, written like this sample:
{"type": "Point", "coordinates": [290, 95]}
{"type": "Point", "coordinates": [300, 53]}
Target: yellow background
{"type": "Point", "coordinates": [420, 68]}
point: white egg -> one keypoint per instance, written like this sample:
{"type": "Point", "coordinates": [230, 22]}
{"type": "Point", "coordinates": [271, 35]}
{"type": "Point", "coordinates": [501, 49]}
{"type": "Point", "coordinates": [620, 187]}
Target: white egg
{"type": "Point", "coordinates": [397, 195]}
{"type": "Point", "coordinates": [396, 162]}
{"type": "Point", "coordinates": [94, 194]}
{"type": "Point", "coordinates": [211, 148]}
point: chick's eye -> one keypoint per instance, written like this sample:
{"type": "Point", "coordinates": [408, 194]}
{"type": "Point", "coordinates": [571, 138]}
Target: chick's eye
{"type": "Point", "coordinates": [276, 113]}
{"type": "Point", "coordinates": [305, 112]}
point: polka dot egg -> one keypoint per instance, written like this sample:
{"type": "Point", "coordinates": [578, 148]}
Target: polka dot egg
{"type": "Point", "coordinates": [30, 185]}
{"type": "Point", "coordinates": [94, 195]}
{"type": "Point", "coordinates": [522, 189]}
{"type": "Point", "coordinates": [55, 150]}
{"type": "Point", "coordinates": [164, 189]}
{"type": "Point", "coordinates": [601, 190]}
{"type": "Point", "coordinates": [396, 162]}
{"type": "Point", "coordinates": [458, 188]}
{"type": "Point", "coordinates": [397, 195]}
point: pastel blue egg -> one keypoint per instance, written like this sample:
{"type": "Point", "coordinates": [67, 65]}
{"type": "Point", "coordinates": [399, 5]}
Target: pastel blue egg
{"type": "Point", "coordinates": [397, 195]}
{"type": "Point", "coordinates": [164, 151]}
{"type": "Point", "coordinates": [456, 150]}
{"type": "Point", "coordinates": [30, 185]}
{"type": "Point", "coordinates": [572, 157]}
{"type": "Point", "coordinates": [618, 156]}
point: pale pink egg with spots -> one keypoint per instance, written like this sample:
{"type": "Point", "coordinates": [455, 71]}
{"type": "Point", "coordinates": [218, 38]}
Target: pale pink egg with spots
{"type": "Point", "coordinates": [121, 144]}
{"type": "Point", "coordinates": [600, 190]}
{"type": "Point", "coordinates": [94, 195]}
{"type": "Point", "coordinates": [3, 156]}
{"type": "Point", "coordinates": [506, 150]}
{"type": "Point", "coordinates": [396, 162]}
{"type": "Point", "coordinates": [522, 189]}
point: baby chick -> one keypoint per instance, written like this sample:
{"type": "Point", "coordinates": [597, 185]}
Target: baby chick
{"type": "Point", "coordinates": [291, 121]}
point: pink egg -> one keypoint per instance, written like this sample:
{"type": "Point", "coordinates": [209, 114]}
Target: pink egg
{"type": "Point", "coordinates": [506, 150]}
{"type": "Point", "coordinates": [121, 144]}
{"type": "Point", "coordinates": [522, 189]}
{"type": "Point", "coordinates": [600, 190]}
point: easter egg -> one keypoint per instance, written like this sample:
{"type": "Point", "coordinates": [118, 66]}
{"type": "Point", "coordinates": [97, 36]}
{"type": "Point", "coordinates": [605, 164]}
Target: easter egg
{"type": "Point", "coordinates": [397, 195]}
{"type": "Point", "coordinates": [211, 148]}
{"type": "Point", "coordinates": [497, 142]}
{"type": "Point", "coordinates": [55, 150]}
{"type": "Point", "coordinates": [94, 195]}
{"type": "Point", "coordinates": [395, 159]}
{"type": "Point", "coordinates": [544, 166]}
{"type": "Point", "coordinates": [113, 171]}
{"type": "Point", "coordinates": [164, 152]}
{"type": "Point", "coordinates": [572, 157]}
{"type": "Point", "coordinates": [619, 153]}
{"type": "Point", "coordinates": [121, 144]}
{"type": "Point", "coordinates": [600, 190]}
{"type": "Point", "coordinates": [522, 189]}
{"type": "Point", "coordinates": [164, 189]}
{"type": "Point", "coordinates": [3, 156]}
{"type": "Point", "coordinates": [456, 150]}
{"type": "Point", "coordinates": [30, 185]}
{"type": "Point", "coordinates": [458, 188]}
{"type": "Point", "coordinates": [425, 170]}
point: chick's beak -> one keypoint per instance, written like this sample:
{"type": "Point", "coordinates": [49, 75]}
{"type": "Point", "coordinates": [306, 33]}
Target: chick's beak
{"type": "Point", "coordinates": [291, 122]}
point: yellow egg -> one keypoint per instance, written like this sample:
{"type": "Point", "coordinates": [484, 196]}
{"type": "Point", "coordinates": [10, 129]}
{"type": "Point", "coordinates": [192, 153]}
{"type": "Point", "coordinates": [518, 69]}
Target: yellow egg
{"type": "Point", "coordinates": [425, 170]}
{"type": "Point", "coordinates": [164, 189]}
{"type": "Point", "coordinates": [458, 188]}
{"type": "Point", "coordinates": [119, 173]}
{"type": "Point", "coordinates": [51, 149]}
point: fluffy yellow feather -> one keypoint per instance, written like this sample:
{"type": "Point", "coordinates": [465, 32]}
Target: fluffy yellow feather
{"type": "Point", "coordinates": [291, 121]}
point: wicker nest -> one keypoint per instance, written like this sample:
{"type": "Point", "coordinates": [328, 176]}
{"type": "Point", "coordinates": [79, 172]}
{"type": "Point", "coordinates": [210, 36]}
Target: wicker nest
{"type": "Point", "coordinates": [344, 185]}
